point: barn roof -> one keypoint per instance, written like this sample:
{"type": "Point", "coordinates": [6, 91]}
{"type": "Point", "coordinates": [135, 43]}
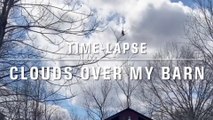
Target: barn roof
{"type": "Point", "coordinates": [128, 109]}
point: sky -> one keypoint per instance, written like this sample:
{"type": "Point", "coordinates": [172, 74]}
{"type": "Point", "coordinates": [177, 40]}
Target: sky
{"type": "Point", "coordinates": [156, 22]}
{"type": "Point", "coordinates": [185, 2]}
{"type": "Point", "coordinates": [159, 23]}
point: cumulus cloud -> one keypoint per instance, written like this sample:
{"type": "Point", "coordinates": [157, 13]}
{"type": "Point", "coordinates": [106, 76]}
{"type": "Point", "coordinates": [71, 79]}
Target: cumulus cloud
{"type": "Point", "coordinates": [160, 25]}
{"type": "Point", "coordinates": [153, 21]}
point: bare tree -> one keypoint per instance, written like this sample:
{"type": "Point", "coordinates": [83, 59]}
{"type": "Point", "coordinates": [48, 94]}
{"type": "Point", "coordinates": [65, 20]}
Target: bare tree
{"type": "Point", "coordinates": [98, 100]}
{"type": "Point", "coordinates": [24, 24]}
{"type": "Point", "coordinates": [127, 87]}
{"type": "Point", "coordinates": [199, 29]}
{"type": "Point", "coordinates": [179, 99]}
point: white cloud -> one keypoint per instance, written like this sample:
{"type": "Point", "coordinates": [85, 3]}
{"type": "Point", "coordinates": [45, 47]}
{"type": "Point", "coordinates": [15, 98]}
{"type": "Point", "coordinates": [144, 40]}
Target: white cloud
{"type": "Point", "coordinates": [153, 21]}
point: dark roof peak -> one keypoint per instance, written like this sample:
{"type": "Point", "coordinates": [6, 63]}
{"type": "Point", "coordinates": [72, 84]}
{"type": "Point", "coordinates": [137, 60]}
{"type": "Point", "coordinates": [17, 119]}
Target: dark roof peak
{"type": "Point", "coordinates": [127, 110]}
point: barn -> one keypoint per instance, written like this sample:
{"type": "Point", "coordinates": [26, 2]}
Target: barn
{"type": "Point", "coordinates": [128, 114]}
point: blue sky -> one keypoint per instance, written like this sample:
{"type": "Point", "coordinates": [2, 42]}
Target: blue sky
{"type": "Point", "coordinates": [185, 2]}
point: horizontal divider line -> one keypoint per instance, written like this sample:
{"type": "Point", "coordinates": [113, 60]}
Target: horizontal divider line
{"type": "Point", "coordinates": [123, 59]}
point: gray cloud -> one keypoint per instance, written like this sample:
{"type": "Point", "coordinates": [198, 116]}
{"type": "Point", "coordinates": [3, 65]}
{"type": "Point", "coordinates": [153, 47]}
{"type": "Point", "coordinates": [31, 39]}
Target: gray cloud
{"type": "Point", "coordinates": [160, 25]}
